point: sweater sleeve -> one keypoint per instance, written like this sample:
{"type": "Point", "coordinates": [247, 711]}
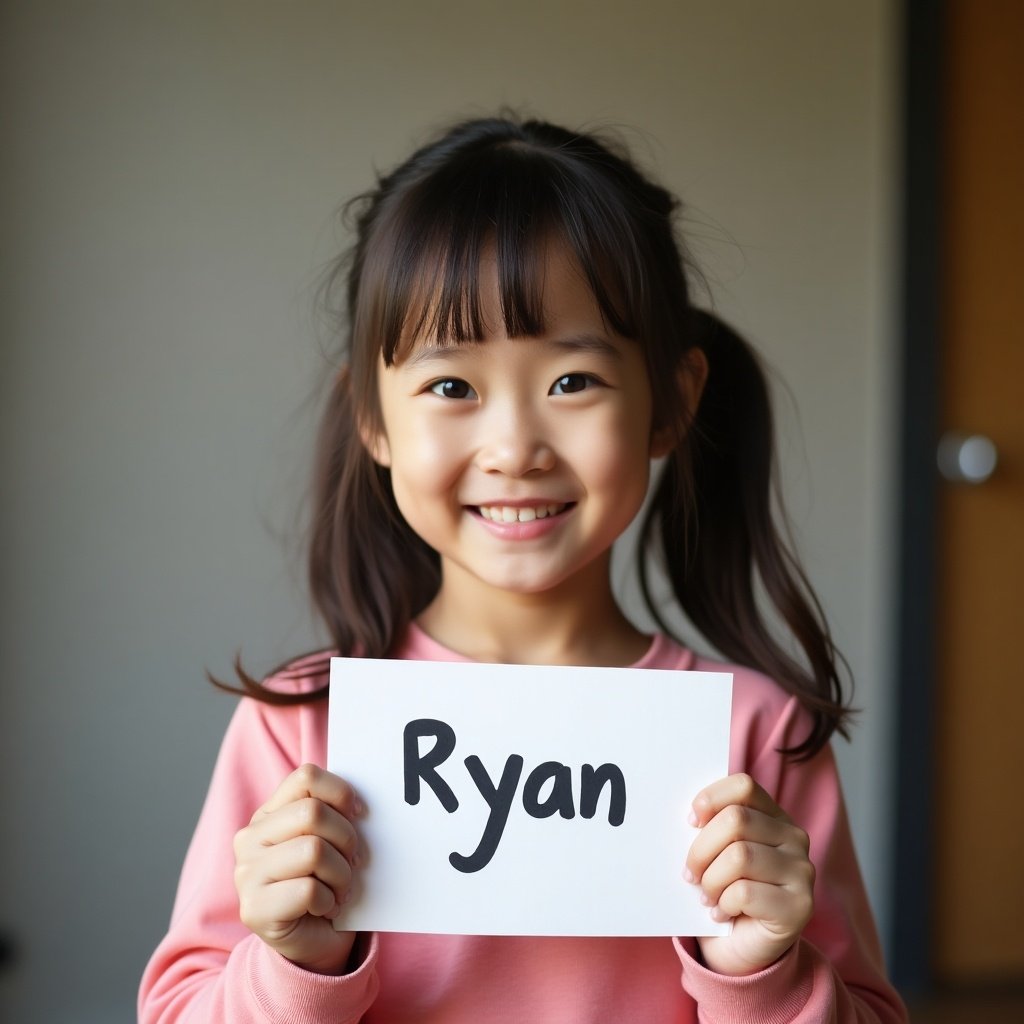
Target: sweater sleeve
{"type": "Point", "coordinates": [834, 973]}
{"type": "Point", "coordinates": [210, 967]}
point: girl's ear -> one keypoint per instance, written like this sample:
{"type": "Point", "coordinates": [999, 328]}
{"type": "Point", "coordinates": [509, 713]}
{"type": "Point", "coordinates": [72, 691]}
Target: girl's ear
{"type": "Point", "coordinates": [372, 437]}
{"type": "Point", "coordinates": [375, 441]}
{"type": "Point", "coordinates": [691, 376]}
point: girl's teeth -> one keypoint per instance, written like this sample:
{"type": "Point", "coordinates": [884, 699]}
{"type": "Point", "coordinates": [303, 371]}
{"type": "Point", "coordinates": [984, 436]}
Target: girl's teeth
{"type": "Point", "coordinates": [507, 514]}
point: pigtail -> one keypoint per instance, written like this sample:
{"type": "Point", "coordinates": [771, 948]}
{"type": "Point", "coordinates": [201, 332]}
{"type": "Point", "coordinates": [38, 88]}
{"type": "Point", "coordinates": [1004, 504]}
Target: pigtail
{"type": "Point", "coordinates": [711, 516]}
{"type": "Point", "coordinates": [369, 573]}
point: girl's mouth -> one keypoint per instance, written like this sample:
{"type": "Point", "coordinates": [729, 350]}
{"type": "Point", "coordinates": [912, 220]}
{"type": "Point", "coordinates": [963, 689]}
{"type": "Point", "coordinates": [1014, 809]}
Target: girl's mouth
{"type": "Point", "coordinates": [510, 514]}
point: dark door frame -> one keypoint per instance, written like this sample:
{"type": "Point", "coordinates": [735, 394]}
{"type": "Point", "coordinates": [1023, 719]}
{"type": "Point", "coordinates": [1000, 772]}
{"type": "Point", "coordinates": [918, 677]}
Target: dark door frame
{"type": "Point", "coordinates": [921, 321]}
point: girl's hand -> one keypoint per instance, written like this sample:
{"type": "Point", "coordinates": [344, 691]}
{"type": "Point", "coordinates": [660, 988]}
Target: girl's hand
{"type": "Point", "coordinates": [751, 861]}
{"type": "Point", "coordinates": [293, 869]}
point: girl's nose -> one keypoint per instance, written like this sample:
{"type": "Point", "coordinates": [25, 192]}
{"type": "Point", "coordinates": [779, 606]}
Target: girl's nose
{"type": "Point", "coordinates": [515, 444]}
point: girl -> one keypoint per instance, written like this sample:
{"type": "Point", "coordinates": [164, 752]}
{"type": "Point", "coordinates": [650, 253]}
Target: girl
{"type": "Point", "coordinates": [520, 344]}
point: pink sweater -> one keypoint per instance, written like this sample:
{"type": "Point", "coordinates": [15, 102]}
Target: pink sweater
{"type": "Point", "coordinates": [210, 968]}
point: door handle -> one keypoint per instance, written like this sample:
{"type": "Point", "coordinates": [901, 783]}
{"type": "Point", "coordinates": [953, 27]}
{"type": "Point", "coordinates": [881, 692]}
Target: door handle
{"type": "Point", "coordinates": [966, 458]}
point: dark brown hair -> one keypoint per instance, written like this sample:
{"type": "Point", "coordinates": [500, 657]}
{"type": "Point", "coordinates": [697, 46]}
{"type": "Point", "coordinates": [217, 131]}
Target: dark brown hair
{"type": "Point", "coordinates": [513, 185]}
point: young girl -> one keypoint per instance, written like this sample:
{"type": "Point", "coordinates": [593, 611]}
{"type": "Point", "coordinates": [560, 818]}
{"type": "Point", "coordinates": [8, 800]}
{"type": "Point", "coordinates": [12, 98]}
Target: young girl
{"type": "Point", "coordinates": [519, 345]}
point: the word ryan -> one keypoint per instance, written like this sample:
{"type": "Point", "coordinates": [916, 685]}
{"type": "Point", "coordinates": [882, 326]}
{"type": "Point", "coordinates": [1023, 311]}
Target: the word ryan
{"type": "Point", "coordinates": [500, 797]}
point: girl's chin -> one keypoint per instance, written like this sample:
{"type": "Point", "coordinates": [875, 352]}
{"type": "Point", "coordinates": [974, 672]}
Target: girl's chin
{"type": "Point", "coordinates": [542, 584]}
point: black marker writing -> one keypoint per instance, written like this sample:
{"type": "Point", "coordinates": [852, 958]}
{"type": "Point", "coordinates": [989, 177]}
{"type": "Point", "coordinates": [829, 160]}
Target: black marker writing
{"type": "Point", "coordinates": [500, 797]}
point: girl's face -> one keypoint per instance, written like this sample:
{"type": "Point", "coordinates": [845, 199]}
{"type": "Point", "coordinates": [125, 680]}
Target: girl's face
{"type": "Point", "coordinates": [520, 460]}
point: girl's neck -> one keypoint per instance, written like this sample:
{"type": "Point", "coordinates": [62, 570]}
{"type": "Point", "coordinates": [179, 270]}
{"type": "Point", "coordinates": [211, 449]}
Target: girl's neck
{"type": "Point", "coordinates": [578, 623]}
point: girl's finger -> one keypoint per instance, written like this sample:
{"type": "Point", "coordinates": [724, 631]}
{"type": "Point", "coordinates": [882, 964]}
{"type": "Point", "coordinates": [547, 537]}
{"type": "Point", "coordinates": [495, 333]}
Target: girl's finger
{"type": "Point", "coordinates": [272, 911]}
{"type": "Point", "coordinates": [309, 780]}
{"type": "Point", "coordinates": [754, 862]}
{"type": "Point", "coordinates": [776, 907]}
{"type": "Point", "coordinates": [739, 824]}
{"type": "Point", "coordinates": [739, 789]}
{"type": "Point", "coordinates": [308, 816]}
{"type": "Point", "coordinates": [304, 856]}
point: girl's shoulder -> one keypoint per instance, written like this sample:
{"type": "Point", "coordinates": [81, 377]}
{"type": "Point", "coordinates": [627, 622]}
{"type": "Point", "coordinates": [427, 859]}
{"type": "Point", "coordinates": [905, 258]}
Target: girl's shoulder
{"type": "Point", "coordinates": [765, 717]}
{"type": "Point", "coordinates": [285, 716]}
{"type": "Point", "coordinates": [753, 691]}
{"type": "Point", "coordinates": [304, 674]}
{"type": "Point", "coordinates": [754, 694]}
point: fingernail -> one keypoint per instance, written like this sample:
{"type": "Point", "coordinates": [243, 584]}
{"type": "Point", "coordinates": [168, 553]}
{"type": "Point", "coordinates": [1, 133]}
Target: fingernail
{"type": "Point", "coordinates": [692, 818]}
{"type": "Point", "coordinates": [354, 859]}
{"type": "Point", "coordinates": [346, 899]}
{"type": "Point", "coordinates": [688, 875]}
{"type": "Point", "coordinates": [706, 899]}
{"type": "Point", "coordinates": [357, 807]}
{"type": "Point", "coordinates": [718, 914]}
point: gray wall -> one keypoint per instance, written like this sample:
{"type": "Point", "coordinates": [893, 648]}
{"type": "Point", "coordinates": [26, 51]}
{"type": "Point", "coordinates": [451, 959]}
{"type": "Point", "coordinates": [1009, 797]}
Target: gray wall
{"type": "Point", "coordinates": [168, 182]}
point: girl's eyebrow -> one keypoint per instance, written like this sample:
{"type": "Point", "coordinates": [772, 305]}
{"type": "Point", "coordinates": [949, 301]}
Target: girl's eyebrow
{"type": "Point", "coordinates": [429, 354]}
{"type": "Point", "coordinates": [596, 343]}
{"type": "Point", "coordinates": [586, 342]}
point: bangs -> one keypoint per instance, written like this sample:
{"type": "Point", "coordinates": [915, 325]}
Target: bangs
{"type": "Point", "coordinates": [509, 202]}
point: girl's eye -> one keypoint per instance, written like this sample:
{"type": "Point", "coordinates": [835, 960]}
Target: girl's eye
{"type": "Point", "coordinates": [572, 383]}
{"type": "Point", "coordinates": [452, 387]}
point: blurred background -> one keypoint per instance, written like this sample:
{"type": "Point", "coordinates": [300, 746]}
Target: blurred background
{"type": "Point", "coordinates": [169, 193]}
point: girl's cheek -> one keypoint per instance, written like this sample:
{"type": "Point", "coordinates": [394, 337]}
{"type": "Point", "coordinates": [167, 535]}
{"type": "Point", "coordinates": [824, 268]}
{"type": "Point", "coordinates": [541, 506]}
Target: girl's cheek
{"type": "Point", "coordinates": [428, 460]}
{"type": "Point", "coordinates": [439, 454]}
{"type": "Point", "coordinates": [614, 450]}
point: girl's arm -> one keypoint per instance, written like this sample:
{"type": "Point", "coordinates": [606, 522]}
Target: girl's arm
{"type": "Point", "coordinates": [210, 966]}
{"type": "Point", "coordinates": [775, 966]}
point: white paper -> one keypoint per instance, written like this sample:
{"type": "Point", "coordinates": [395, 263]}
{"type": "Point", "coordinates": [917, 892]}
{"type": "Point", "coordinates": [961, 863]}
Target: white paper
{"type": "Point", "coordinates": [667, 732]}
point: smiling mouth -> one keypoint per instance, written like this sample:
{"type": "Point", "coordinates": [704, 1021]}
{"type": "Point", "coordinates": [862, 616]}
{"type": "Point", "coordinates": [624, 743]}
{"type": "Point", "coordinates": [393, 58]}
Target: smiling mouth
{"type": "Point", "coordinates": [508, 514]}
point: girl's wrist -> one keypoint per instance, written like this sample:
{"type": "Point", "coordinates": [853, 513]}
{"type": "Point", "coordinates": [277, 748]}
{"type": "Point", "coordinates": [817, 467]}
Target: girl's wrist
{"type": "Point", "coordinates": [347, 958]}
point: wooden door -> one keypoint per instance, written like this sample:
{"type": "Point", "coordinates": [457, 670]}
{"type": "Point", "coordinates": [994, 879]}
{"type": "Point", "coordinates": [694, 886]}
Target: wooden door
{"type": "Point", "coordinates": [979, 885]}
